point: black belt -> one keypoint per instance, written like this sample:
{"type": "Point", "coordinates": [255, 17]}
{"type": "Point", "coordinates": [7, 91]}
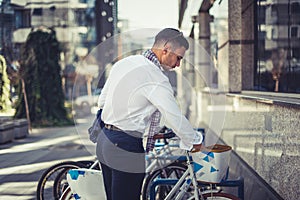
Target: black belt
{"type": "Point", "coordinates": [112, 127]}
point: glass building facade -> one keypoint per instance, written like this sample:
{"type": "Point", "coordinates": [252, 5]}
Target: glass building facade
{"type": "Point", "coordinates": [278, 46]}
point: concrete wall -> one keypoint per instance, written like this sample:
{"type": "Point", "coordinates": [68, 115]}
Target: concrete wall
{"type": "Point", "coordinates": [263, 128]}
{"type": "Point", "coordinates": [264, 134]}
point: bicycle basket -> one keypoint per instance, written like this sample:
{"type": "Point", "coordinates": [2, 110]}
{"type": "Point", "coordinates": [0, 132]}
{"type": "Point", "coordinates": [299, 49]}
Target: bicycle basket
{"type": "Point", "coordinates": [212, 166]}
{"type": "Point", "coordinates": [86, 184]}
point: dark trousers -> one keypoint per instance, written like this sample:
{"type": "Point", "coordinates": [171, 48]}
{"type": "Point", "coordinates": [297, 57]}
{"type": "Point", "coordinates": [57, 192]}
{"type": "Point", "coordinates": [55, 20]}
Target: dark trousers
{"type": "Point", "coordinates": [121, 185]}
{"type": "Point", "coordinates": [122, 161]}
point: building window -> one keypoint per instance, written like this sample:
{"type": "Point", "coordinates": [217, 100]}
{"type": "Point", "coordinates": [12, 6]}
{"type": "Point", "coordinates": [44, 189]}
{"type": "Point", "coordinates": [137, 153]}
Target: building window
{"type": "Point", "coordinates": [294, 32]}
{"type": "Point", "coordinates": [22, 18]}
{"type": "Point", "coordinates": [278, 59]}
{"type": "Point", "coordinates": [18, 19]}
{"type": "Point", "coordinates": [274, 33]}
{"type": "Point", "coordinates": [295, 7]}
{"type": "Point", "coordinates": [37, 12]}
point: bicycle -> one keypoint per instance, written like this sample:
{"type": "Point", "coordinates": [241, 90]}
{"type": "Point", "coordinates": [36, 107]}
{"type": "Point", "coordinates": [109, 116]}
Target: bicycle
{"type": "Point", "coordinates": [157, 160]}
{"type": "Point", "coordinates": [163, 161]}
{"type": "Point", "coordinates": [53, 181]}
{"type": "Point", "coordinates": [187, 186]}
{"type": "Point", "coordinates": [164, 152]}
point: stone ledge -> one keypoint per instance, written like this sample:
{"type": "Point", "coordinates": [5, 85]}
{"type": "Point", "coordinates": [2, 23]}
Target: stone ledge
{"type": "Point", "coordinates": [21, 128]}
{"type": "Point", "coordinates": [270, 97]}
{"type": "Point", "coordinates": [13, 129]}
{"type": "Point", "coordinates": [7, 132]}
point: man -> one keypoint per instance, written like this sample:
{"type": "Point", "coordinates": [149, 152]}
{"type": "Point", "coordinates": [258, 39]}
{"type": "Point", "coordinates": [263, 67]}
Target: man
{"type": "Point", "coordinates": [136, 94]}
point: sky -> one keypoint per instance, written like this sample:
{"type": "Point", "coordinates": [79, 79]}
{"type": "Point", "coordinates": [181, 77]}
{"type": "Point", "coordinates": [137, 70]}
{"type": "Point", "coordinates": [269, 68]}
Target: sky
{"type": "Point", "coordinates": [149, 13]}
{"type": "Point", "coordinates": [162, 13]}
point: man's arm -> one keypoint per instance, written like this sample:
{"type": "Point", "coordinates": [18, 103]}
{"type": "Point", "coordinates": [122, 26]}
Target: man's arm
{"type": "Point", "coordinates": [161, 96]}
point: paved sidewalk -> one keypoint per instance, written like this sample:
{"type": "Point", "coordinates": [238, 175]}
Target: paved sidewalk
{"type": "Point", "coordinates": [23, 161]}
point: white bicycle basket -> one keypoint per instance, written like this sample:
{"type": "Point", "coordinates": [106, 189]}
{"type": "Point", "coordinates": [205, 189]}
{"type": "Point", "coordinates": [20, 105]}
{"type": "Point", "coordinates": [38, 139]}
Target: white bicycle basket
{"type": "Point", "coordinates": [212, 166]}
{"type": "Point", "coordinates": [86, 184]}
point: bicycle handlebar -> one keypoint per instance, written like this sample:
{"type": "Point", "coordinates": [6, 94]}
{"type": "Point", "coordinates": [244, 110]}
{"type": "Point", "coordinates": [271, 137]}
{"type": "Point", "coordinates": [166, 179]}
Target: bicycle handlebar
{"type": "Point", "coordinates": [168, 134]}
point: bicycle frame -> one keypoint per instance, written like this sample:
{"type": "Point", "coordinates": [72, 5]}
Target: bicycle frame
{"type": "Point", "coordinates": [161, 157]}
{"type": "Point", "coordinates": [184, 183]}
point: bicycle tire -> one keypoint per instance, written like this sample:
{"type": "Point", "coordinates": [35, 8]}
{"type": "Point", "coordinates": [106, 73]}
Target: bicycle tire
{"type": "Point", "coordinates": [174, 169]}
{"type": "Point", "coordinates": [45, 188]}
{"type": "Point", "coordinates": [220, 196]}
{"type": "Point", "coordinates": [60, 182]}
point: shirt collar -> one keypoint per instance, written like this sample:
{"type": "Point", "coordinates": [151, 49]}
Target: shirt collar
{"type": "Point", "coordinates": [152, 57]}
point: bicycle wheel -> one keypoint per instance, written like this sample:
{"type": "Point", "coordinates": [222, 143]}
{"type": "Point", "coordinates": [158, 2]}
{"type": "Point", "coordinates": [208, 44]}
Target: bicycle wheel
{"type": "Point", "coordinates": [174, 171]}
{"type": "Point", "coordinates": [53, 180]}
{"type": "Point", "coordinates": [219, 196]}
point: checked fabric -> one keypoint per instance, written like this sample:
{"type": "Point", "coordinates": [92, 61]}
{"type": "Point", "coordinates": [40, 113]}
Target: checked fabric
{"type": "Point", "coordinates": [154, 128]}
{"type": "Point", "coordinates": [155, 117]}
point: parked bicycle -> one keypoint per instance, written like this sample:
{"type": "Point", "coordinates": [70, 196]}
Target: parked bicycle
{"type": "Point", "coordinates": [180, 183]}
{"type": "Point", "coordinates": [168, 176]}
{"type": "Point", "coordinates": [53, 181]}
{"type": "Point", "coordinates": [163, 158]}
{"type": "Point", "coordinates": [187, 185]}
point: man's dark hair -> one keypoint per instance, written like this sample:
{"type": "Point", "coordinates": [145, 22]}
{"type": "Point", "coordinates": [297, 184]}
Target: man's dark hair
{"type": "Point", "coordinates": [171, 35]}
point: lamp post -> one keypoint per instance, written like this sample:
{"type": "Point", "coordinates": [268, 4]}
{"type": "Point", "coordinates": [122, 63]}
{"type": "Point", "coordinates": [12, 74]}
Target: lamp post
{"type": "Point", "coordinates": [3, 4]}
{"type": "Point", "coordinates": [2, 25]}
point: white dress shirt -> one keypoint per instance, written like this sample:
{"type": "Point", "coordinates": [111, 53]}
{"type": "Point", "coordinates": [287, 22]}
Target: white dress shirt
{"type": "Point", "coordinates": [135, 88]}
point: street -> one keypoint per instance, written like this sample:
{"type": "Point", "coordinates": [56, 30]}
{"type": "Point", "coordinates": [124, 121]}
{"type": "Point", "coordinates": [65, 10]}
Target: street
{"type": "Point", "coordinates": [23, 161]}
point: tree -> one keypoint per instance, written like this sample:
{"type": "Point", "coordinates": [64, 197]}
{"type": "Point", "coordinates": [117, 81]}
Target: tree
{"type": "Point", "coordinates": [40, 70]}
{"type": "Point", "coordinates": [5, 103]}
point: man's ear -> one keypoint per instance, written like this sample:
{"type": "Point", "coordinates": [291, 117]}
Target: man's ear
{"type": "Point", "coordinates": [165, 50]}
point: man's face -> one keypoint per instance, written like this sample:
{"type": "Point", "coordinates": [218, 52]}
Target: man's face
{"type": "Point", "coordinates": [172, 57]}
